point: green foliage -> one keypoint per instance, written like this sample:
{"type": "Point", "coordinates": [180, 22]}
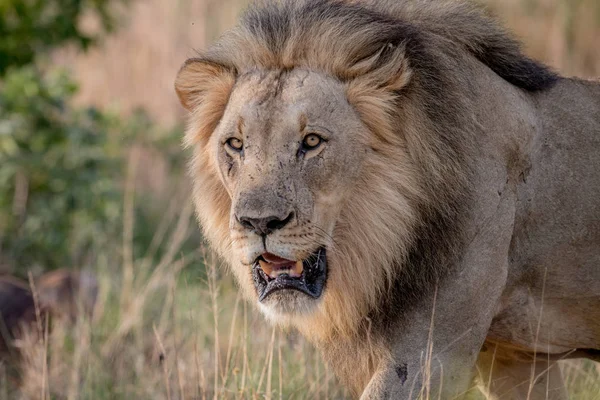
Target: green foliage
{"type": "Point", "coordinates": [62, 168]}
{"type": "Point", "coordinates": [63, 172]}
{"type": "Point", "coordinates": [58, 177]}
{"type": "Point", "coordinates": [29, 28]}
{"type": "Point", "coordinates": [59, 166]}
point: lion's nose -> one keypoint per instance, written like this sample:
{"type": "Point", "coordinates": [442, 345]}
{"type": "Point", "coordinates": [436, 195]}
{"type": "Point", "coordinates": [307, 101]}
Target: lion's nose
{"type": "Point", "coordinates": [265, 226]}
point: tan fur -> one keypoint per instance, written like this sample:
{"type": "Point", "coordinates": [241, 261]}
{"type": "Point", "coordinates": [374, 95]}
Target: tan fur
{"type": "Point", "coordinates": [402, 203]}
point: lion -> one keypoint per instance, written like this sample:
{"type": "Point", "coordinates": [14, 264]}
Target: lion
{"type": "Point", "coordinates": [397, 181]}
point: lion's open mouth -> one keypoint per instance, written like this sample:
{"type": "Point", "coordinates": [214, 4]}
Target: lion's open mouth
{"type": "Point", "coordinates": [272, 274]}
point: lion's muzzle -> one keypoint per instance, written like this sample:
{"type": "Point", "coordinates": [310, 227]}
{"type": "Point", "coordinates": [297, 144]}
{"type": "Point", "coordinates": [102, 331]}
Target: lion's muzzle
{"type": "Point", "coordinates": [272, 274]}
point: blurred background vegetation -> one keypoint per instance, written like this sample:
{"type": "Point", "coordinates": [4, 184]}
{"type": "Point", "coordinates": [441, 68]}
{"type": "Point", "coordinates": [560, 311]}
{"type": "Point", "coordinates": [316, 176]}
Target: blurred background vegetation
{"type": "Point", "coordinates": [63, 162]}
{"type": "Point", "coordinates": [87, 91]}
{"type": "Point", "coordinates": [92, 177]}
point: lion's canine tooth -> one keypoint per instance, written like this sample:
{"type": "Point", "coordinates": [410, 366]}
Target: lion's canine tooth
{"type": "Point", "coordinates": [298, 268]}
{"type": "Point", "coordinates": [266, 267]}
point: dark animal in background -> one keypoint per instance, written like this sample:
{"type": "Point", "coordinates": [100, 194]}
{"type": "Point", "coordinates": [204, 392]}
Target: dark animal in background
{"type": "Point", "coordinates": [62, 294]}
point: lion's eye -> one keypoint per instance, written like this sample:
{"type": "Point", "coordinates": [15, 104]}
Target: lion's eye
{"type": "Point", "coordinates": [235, 144]}
{"type": "Point", "coordinates": [311, 141]}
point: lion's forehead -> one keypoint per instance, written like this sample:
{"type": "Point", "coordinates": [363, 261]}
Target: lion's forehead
{"type": "Point", "coordinates": [288, 96]}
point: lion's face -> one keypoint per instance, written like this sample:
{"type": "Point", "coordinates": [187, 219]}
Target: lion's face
{"type": "Point", "coordinates": [288, 148]}
{"type": "Point", "coordinates": [308, 164]}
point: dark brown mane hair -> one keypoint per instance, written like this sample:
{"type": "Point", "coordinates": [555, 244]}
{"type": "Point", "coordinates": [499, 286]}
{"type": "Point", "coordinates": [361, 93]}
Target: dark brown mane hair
{"type": "Point", "coordinates": [288, 34]}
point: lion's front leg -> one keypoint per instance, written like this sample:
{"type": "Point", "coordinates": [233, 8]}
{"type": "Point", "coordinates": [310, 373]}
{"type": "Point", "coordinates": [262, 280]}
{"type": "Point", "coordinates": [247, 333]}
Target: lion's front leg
{"type": "Point", "coordinates": [436, 345]}
{"type": "Point", "coordinates": [428, 382]}
{"type": "Point", "coordinates": [435, 352]}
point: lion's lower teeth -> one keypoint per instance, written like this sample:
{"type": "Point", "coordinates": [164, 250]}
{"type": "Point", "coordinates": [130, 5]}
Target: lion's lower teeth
{"type": "Point", "coordinates": [266, 267]}
{"type": "Point", "coordinates": [273, 272]}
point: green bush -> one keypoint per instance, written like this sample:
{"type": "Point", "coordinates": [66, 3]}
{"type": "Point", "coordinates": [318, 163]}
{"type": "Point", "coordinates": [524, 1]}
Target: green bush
{"type": "Point", "coordinates": [62, 167]}
{"type": "Point", "coordinates": [63, 172]}
{"type": "Point", "coordinates": [30, 28]}
{"type": "Point", "coordinates": [59, 186]}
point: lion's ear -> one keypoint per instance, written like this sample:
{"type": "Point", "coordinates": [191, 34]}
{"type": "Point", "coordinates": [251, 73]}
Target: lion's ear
{"type": "Point", "coordinates": [199, 80]}
{"type": "Point", "coordinates": [373, 88]}
{"type": "Point", "coordinates": [388, 68]}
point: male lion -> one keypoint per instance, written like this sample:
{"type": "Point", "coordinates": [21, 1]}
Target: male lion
{"type": "Point", "coordinates": [400, 183]}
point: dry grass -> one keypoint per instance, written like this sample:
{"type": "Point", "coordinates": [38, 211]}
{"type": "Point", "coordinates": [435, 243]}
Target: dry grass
{"type": "Point", "coordinates": [561, 33]}
{"type": "Point", "coordinates": [137, 66]}
{"type": "Point", "coordinates": [177, 337]}
{"type": "Point", "coordinates": [165, 334]}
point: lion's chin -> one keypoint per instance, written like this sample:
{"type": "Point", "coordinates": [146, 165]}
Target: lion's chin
{"type": "Point", "coordinates": [285, 307]}
{"type": "Point", "coordinates": [287, 287]}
